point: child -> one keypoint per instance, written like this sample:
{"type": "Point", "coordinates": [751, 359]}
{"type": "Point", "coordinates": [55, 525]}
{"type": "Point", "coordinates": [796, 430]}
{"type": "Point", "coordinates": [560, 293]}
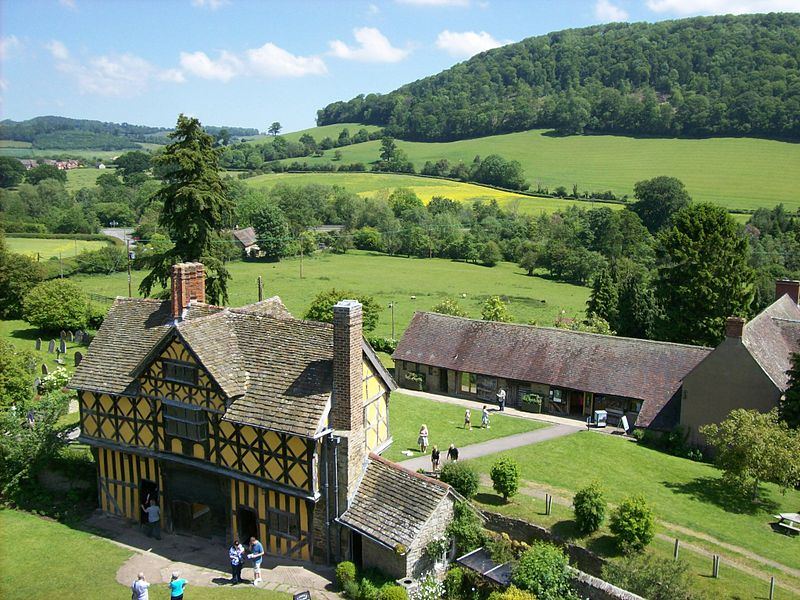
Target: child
{"type": "Point", "coordinates": [467, 420]}
{"type": "Point", "coordinates": [485, 417]}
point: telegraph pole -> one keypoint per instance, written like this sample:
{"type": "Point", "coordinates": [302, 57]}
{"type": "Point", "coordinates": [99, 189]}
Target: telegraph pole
{"type": "Point", "coordinates": [260, 289]}
{"type": "Point", "coordinates": [128, 246]}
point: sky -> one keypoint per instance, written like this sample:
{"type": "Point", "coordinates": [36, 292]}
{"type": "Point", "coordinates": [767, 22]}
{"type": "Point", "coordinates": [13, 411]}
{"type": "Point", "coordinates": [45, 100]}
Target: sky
{"type": "Point", "coordinates": [248, 63]}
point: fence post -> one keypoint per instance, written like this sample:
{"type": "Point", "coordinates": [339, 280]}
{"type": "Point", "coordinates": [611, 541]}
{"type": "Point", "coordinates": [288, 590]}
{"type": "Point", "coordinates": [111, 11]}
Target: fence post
{"type": "Point", "coordinates": [677, 547]}
{"type": "Point", "coordinates": [548, 499]}
{"type": "Point", "coordinates": [716, 566]}
{"type": "Point", "coordinates": [771, 588]}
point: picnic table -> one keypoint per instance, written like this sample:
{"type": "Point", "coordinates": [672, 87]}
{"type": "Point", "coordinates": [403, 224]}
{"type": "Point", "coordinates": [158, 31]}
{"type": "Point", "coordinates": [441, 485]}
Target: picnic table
{"type": "Point", "coordinates": [789, 523]}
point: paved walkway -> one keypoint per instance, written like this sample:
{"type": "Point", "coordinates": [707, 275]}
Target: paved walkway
{"type": "Point", "coordinates": [203, 562]}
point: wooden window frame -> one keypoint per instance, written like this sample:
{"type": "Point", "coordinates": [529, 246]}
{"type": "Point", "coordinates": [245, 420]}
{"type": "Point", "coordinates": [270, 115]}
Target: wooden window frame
{"type": "Point", "coordinates": [179, 371]}
{"type": "Point", "coordinates": [280, 524]}
{"type": "Point", "coordinates": [181, 426]}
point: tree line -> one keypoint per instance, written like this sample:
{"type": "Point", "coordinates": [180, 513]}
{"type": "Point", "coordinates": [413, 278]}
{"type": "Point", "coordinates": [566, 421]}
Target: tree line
{"type": "Point", "coordinates": [722, 75]}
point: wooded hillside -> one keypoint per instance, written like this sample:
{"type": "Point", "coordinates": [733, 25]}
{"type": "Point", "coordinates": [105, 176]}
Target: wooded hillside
{"type": "Point", "coordinates": [728, 75]}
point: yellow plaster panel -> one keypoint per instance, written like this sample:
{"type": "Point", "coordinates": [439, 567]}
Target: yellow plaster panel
{"type": "Point", "coordinates": [226, 429]}
{"type": "Point", "coordinates": [176, 446]}
{"type": "Point", "coordinates": [250, 463]}
{"type": "Point", "coordinates": [105, 403]}
{"type": "Point", "coordinates": [227, 455]}
{"type": "Point", "coordinates": [199, 451]}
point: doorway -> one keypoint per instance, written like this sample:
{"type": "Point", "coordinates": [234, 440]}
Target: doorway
{"type": "Point", "coordinates": [357, 544]}
{"type": "Point", "coordinates": [443, 381]}
{"type": "Point", "coordinates": [148, 490]}
{"type": "Point", "coordinates": [248, 523]}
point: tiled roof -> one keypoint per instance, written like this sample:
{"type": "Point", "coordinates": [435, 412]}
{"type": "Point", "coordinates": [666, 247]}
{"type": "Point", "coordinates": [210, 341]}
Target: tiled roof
{"type": "Point", "coordinates": [392, 504]}
{"type": "Point", "coordinates": [602, 364]}
{"type": "Point", "coordinates": [246, 236]}
{"type": "Point", "coordinates": [276, 371]}
{"type": "Point", "coordinates": [772, 336]}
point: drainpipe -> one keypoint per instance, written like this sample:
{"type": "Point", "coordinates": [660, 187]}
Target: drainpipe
{"type": "Point", "coordinates": [336, 441]}
{"type": "Point", "coordinates": [327, 500]}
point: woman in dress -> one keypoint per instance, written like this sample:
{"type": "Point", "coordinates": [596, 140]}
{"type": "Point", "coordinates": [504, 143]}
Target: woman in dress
{"type": "Point", "coordinates": [422, 440]}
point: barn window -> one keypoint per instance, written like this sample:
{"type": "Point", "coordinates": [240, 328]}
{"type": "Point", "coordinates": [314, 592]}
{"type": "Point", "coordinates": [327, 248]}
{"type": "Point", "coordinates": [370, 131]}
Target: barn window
{"type": "Point", "coordinates": [283, 524]}
{"type": "Point", "coordinates": [185, 422]}
{"type": "Point", "coordinates": [469, 383]}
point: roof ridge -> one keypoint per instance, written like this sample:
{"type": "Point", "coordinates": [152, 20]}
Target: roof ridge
{"type": "Point", "coordinates": [137, 299]}
{"type": "Point", "coordinates": [402, 469]}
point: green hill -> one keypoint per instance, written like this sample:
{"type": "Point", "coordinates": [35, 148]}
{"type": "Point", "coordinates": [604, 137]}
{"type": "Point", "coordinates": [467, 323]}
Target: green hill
{"type": "Point", "coordinates": [723, 75]}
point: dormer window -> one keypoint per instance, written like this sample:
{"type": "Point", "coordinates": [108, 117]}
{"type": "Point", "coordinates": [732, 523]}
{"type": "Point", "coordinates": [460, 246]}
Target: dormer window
{"type": "Point", "coordinates": [180, 372]}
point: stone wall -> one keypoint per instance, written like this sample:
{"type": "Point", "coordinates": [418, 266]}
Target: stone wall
{"type": "Point", "coordinates": [597, 589]}
{"type": "Point", "coordinates": [382, 558]}
{"type": "Point", "coordinates": [418, 563]}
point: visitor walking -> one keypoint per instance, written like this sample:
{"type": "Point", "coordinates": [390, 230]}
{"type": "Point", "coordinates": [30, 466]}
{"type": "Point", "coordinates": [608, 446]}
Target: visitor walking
{"type": "Point", "coordinates": [467, 420]}
{"type": "Point", "coordinates": [139, 588]}
{"type": "Point", "coordinates": [236, 555]}
{"type": "Point", "coordinates": [501, 399]}
{"type": "Point", "coordinates": [176, 586]}
{"type": "Point", "coordinates": [153, 519]}
{"type": "Point", "coordinates": [452, 453]}
{"type": "Point", "coordinates": [485, 417]}
{"type": "Point", "coordinates": [422, 440]}
{"type": "Point", "coordinates": [435, 458]}
{"type": "Point", "coordinates": [256, 555]}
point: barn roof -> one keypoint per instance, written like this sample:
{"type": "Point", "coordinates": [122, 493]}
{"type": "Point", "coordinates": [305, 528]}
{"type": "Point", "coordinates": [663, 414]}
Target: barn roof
{"type": "Point", "coordinates": [246, 237]}
{"type": "Point", "coordinates": [772, 336]}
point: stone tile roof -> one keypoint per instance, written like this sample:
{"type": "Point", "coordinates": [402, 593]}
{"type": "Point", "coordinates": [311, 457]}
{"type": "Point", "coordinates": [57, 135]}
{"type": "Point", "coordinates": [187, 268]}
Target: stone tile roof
{"type": "Point", "coordinates": [772, 336]}
{"type": "Point", "coordinates": [276, 371]}
{"type": "Point", "coordinates": [246, 237]}
{"type": "Point", "coordinates": [602, 364]}
{"type": "Point", "coordinates": [392, 504]}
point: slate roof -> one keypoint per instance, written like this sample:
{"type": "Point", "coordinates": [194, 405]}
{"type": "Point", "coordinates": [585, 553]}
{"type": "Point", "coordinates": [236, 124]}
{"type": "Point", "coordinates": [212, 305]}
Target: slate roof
{"type": "Point", "coordinates": [276, 371]}
{"type": "Point", "coordinates": [246, 237]}
{"type": "Point", "coordinates": [392, 504]}
{"type": "Point", "coordinates": [772, 336]}
{"type": "Point", "coordinates": [602, 364]}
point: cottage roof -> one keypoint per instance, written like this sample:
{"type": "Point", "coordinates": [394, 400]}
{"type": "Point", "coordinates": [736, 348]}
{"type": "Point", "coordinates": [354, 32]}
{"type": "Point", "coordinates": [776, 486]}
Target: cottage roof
{"type": "Point", "coordinates": [275, 370]}
{"type": "Point", "coordinates": [392, 504]}
{"type": "Point", "coordinates": [772, 336]}
{"type": "Point", "coordinates": [642, 369]}
{"type": "Point", "coordinates": [246, 237]}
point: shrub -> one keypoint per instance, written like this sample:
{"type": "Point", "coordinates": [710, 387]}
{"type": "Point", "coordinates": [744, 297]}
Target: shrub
{"type": "Point", "coordinates": [429, 588]}
{"type": "Point", "coordinates": [505, 477]}
{"type": "Point", "coordinates": [16, 375]}
{"type": "Point", "coordinates": [462, 477]}
{"type": "Point", "coordinates": [454, 583]}
{"type": "Point", "coordinates": [465, 529]}
{"type": "Point", "coordinates": [382, 344]}
{"type": "Point", "coordinates": [391, 591]}
{"type": "Point", "coordinates": [651, 577]}
{"type": "Point", "coordinates": [55, 381]}
{"type": "Point", "coordinates": [633, 524]}
{"type": "Point", "coordinates": [544, 571]}
{"type": "Point", "coordinates": [500, 548]}
{"type": "Point", "coordinates": [345, 573]}
{"type": "Point", "coordinates": [448, 306]}
{"type": "Point", "coordinates": [97, 314]}
{"type": "Point", "coordinates": [590, 508]}
{"type": "Point", "coordinates": [18, 275]}
{"type": "Point", "coordinates": [514, 593]}
{"type": "Point", "coordinates": [350, 590]}
{"type": "Point", "coordinates": [56, 305]}
{"type": "Point", "coordinates": [367, 590]}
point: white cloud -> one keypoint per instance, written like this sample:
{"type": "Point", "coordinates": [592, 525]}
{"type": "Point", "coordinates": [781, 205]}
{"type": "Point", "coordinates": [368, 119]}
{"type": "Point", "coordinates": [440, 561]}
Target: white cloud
{"type": "Point", "coordinates": [737, 7]}
{"type": "Point", "coordinates": [373, 46]}
{"type": "Point", "coordinates": [435, 2]}
{"type": "Point", "coordinates": [225, 68]}
{"type": "Point", "coordinates": [272, 61]}
{"type": "Point", "coordinates": [465, 43]}
{"type": "Point", "coordinates": [8, 44]}
{"type": "Point", "coordinates": [606, 12]}
{"type": "Point", "coordinates": [119, 75]}
{"type": "Point", "coordinates": [209, 4]}
{"type": "Point", "coordinates": [373, 10]}
{"type": "Point", "coordinates": [70, 4]}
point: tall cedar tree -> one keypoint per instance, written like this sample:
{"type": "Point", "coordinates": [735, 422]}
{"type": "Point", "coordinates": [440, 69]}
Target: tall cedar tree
{"type": "Point", "coordinates": [196, 208]}
{"type": "Point", "coordinates": [637, 308]}
{"type": "Point", "coordinates": [703, 275]}
{"type": "Point", "coordinates": [604, 299]}
{"type": "Point", "coordinates": [789, 407]}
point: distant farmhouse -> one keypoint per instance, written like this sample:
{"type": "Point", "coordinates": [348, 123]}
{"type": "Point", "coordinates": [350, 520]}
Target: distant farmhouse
{"type": "Point", "coordinates": [61, 165]}
{"type": "Point", "coordinates": [657, 385]}
{"type": "Point", "coordinates": [247, 421]}
{"type": "Point", "coordinates": [246, 239]}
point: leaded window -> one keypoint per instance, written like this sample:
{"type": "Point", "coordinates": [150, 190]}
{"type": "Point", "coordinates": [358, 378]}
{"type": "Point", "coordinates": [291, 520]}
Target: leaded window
{"type": "Point", "coordinates": [186, 422]}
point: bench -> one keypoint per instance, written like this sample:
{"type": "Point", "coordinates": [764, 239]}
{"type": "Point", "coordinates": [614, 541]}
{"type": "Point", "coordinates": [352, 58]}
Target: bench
{"type": "Point", "coordinates": [789, 528]}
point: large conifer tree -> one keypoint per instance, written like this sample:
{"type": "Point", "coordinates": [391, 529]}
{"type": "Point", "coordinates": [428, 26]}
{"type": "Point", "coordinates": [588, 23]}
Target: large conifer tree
{"type": "Point", "coordinates": [195, 211]}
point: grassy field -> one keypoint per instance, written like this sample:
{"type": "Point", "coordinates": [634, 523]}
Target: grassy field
{"type": "Point", "coordinates": [88, 572]}
{"type": "Point", "coordinates": [23, 336]}
{"type": "Point", "coordinates": [413, 284]}
{"type": "Point", "coordinates": [24, 150]}
{"type": "Point", "coordinates": [445, 425]}
{"type": "Point", "coordinates": [738, 173]}
{"type": "Point", "coordinates": [682, 492]}
{"type": "Point", "coordinates": [47, 248]}
{"type": "Point", "coordinates": [84, 177]}
{"type": "Point", "coordinates": [331, 131]}
{"type": "Point", "coordinates": [368, 184]}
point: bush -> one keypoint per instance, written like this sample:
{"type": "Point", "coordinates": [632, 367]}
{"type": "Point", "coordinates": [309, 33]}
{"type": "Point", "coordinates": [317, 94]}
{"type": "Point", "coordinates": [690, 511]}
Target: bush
{"type": "Point", "coordinates": [345, 573]}
{"type": "Point", "coordinates": [454, 583]}
{"type": "Point", "coordinates": [391, 591]}
{"type": "Point", "coordinates": [462, 477]}
{"type": "Point", "coordinates": [351, 590]}
{"type": "Point", "coordinates": [590, 508]}
{"type": "Point", "coordinates": [16, 375]}
{"type": "Point", "coordinates": [514, 593]}
{"type": "Point", "coordinates": [465, 529]}
{"type": "Point", "coordinates": [56, 305]}
{"type": "Point", "coordinates": [367, 590]}
{"type": "Point", "coordinates": [633, 524]}
{"type": "Point", "coordinates": [651, 577]}
{"type": "Point", "coordinates": [544, 571]}
{"type": "Point", "coordinates": [55, 381]}
{"type": "Point", "coordinates": [505, 477]}
{"type": "Point", "coordinates": [429, 588]}
{"type": "Point", "coordinates": [500, 548]}
{"type": "Point", "coordinates": [18, 275]}
{"type": "Point", "coordinates": [97, 314]}
{"type": "Point", "coordinates": [382, 344]}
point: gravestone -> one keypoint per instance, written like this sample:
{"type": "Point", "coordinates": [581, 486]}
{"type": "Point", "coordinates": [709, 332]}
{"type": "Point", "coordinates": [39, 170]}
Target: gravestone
{"type": "Point", "coordinates": [70, 337]}
{"type": "Point", "coordinates": [45, 370]}
{"type": "Point", "coordinates": [51, 347]}
{"type": "Point", "coordinates": [85, 339]}
{"type": "Point", "coordinates": [37, 383]}
{"type": "Point", "coordinates": [78, 358]}
{"type": "Point", "coordinates": [62, 346]}
{"type": "Point", "coordinates": [63, 335]}
{"type": "Point", "coordinates": [38, 343]}
{"type": "Point", "coordinates": [78, 337]}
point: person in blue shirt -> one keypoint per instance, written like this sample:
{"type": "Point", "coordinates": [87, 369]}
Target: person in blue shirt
{"type": "Point", "coordinates": [256, 554]}
{"type": "Point", "coordinates": [236, 556]}
{"type": "Point", "coordinates": [176, 586]}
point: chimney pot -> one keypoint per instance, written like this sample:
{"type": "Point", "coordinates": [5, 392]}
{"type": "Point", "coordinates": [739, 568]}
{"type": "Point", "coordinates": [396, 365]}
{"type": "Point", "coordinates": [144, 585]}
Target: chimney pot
{"type": "Point", "coordinates": [788, 286]}
{"type": "Point", "coordinates": [734, 327]}
{"type": "Point", "coordinates": [188, 284]}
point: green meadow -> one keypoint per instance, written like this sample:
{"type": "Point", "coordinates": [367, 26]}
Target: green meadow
{"type": "Point", "coordinates": [85, 177]}
{"type": "Point", "coordinates": [331, 131]}
{"type": "Point", "coordinates": [47, 248]}
{"type": "Point", "coordinates": [738, 173]}
{"type": "Point", "coordinates": [412, 284]}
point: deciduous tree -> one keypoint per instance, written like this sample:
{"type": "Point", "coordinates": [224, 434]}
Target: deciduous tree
{"type": "Point", "coordinates": [42, 172]}
{"type": "Point", "coordinates": [505, 477]}
{"type": "Point", "coordinates": [275, 128]}
{"type": "Point", "coordinates": [272, 231]}
{"type": "Point", "coordinates": [658, 199]}
{"type": "Point", "coordinates": [321, 308]}
{"type": "Point", "coordinates": [494, 309]}
{"type": "Point", "coordinates": [57, 304]}
{"type": "Point", "coordinates": [11, 171]}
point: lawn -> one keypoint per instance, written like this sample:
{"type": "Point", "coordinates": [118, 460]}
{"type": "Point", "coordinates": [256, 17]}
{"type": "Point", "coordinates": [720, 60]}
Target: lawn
{"type": "Point", "coordinates": [23, 336]}
{"type": "Point", "coordinates": [682, 492]}
{"type": "Point", "coordinates": [51, 248]}
{"type": "Point", "coordinates": [738, 173]}
{"type": "Point", "coordinates": [445, 425]}
{"type": "Point", "coordinates": [368, 184]}
{"type": "Point", "coordinates": [88, 572]}
{"type": "Point", "coordinates": [413, 284]}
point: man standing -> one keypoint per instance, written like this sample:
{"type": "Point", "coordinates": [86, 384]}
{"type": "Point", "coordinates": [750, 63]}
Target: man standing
{"type": "Point", "coordinates": [153, 519]}
{"type": "Point", "coordinates": [139, 588]}
{"type": "Point", "coordinates": [236, 555]}
{"type": "Point", "coordinates": [501, 399]}
{"type": "Point", "coordinates": [256, 554]}
{"type": "Point", "coordinates": [452, 453]}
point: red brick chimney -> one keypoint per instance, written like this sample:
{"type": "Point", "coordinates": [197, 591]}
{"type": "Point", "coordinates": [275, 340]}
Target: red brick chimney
{"type": "Point", "coordinates": [188, 284]}
{"type": "Point", "coordinates": [347, 402]}
{"type": "Point", "coordinates": [734, 327]}
{"type": "Point", "coordinates": [788, 286]}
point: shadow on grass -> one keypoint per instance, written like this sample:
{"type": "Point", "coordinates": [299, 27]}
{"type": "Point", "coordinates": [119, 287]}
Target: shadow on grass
{"type": "Point", "coordinates": [566, 530]}
{"type": "Point", "coordinates": [31, 333]}
{"type": "Point", "coordinates": [490, 499]}
{"type": "Point", "coordinates": [604, 545]}
{"type": "Point", "coordinates": [713, 491]}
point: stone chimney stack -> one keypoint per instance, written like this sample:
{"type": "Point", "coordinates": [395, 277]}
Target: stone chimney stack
{"type": "Point", "coordinates": [788, 286]}
{"type": "Point", "coordinates": [188, 284]}
{"type": "Point", "coordinates": [734, 327]}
